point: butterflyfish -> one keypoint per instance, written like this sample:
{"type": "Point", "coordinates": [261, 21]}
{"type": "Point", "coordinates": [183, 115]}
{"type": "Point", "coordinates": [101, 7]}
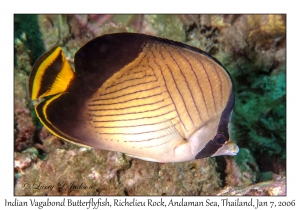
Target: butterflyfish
{"type": "Point", "coordinates": [148, 97]}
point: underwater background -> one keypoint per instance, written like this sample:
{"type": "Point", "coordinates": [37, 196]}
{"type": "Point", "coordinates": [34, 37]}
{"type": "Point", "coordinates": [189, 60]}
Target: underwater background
{"type": "Point", "coordinates": [251, 47]}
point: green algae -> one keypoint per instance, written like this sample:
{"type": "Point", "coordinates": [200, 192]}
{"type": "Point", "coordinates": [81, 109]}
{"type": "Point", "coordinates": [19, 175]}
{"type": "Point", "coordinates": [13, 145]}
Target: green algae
{"type": "Point", "coordinates": [260, 113]}
{"type": "Point", "coordinates": [28, 24]}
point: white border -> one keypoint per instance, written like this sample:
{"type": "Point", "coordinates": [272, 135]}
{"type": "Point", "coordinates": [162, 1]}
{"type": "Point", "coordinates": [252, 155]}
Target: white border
{"type": "Point", "coordinates": [8, 8]}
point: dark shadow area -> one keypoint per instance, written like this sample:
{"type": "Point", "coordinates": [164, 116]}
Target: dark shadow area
{"type": "Point", "coordinates": [221, 167]}
{"type": "Point", "coordinates": [28, 24]}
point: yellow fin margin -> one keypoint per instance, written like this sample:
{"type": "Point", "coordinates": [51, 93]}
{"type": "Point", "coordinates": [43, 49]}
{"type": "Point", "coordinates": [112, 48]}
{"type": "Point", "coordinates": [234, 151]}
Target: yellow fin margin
{"type": "Point", "coordinates": [42, 115]}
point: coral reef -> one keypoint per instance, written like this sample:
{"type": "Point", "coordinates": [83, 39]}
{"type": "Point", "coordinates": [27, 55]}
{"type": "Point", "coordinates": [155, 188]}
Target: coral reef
{"type": "Point", "coordinates": [101, 172]}
{"type": "Point", "coordinates": [251, 47]}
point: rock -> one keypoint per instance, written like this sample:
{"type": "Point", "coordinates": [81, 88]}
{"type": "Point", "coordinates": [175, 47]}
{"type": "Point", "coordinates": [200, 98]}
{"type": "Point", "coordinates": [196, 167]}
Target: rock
{"type": "Point", "coordinates": [269, 188]}
{"type": "Point", "coordinates": [241, 170]}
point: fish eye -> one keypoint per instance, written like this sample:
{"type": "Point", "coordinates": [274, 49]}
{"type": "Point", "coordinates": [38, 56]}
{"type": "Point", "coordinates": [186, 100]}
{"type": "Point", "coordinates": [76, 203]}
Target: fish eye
{"type": "Point", "coordinates": [220, 138]}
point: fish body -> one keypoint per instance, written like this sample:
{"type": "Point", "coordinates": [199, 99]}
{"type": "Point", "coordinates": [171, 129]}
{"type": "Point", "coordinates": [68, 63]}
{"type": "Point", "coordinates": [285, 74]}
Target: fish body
{"type": "Point", "coordinates": [145, 96]}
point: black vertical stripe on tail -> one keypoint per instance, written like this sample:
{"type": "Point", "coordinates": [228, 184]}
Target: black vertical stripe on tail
{"type": "Point", "coordinates": [36, 68]}
{"type": "Point", "coordinates": [50, 74]}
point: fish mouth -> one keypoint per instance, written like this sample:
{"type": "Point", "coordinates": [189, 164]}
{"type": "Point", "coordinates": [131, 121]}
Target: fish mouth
{"type": "Point", "coordinates": [234, 149]}
{"type": "Point", "coordinates": [230, 148]}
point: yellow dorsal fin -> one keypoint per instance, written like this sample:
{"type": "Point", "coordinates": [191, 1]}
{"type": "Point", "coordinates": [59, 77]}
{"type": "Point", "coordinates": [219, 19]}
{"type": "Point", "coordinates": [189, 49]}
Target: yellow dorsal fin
{"type": "Point", "coordinates": [51, 74]}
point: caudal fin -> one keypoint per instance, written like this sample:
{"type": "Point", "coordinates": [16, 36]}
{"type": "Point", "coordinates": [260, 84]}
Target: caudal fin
{"type": "Point", "coordinates": [51, 74]}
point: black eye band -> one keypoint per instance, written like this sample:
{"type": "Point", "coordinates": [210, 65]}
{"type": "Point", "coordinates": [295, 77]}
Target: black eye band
{"type": "Point", "coordinates": [213, 146]}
